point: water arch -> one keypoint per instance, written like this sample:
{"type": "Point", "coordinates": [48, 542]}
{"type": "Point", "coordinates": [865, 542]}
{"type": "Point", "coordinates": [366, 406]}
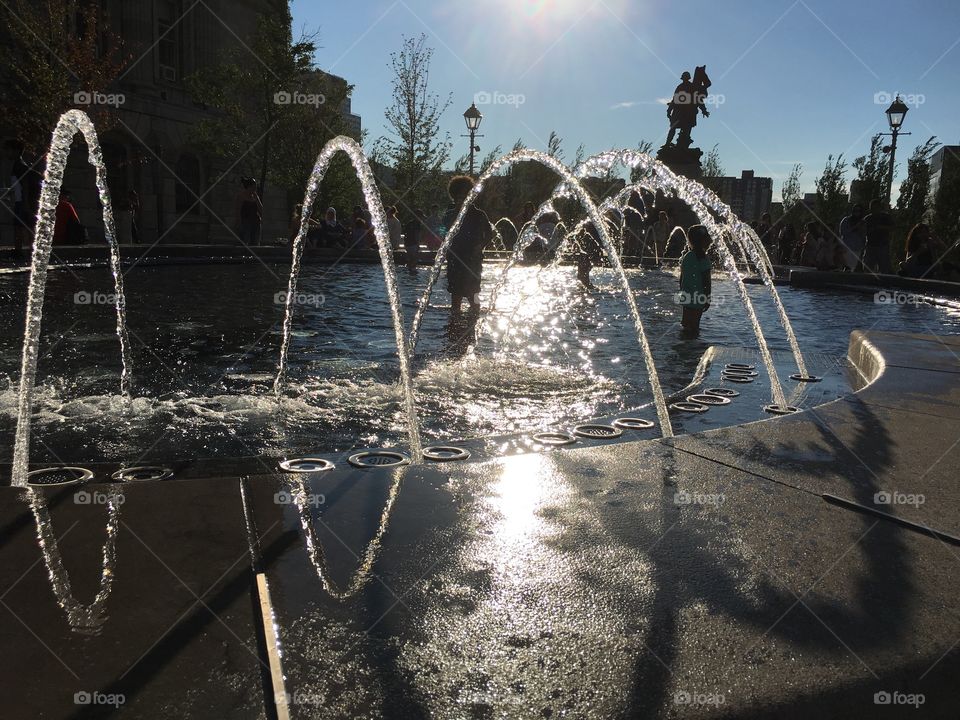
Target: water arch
{"type": "Point", "coordinates": [342, 144]}
{"type": "Point", "coordinates": [577, 190]}
{"type": "Point", "coordinates": [71, 123]}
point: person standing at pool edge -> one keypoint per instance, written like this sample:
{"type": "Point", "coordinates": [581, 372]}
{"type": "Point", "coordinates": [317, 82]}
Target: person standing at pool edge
{"type": "Point", "coordinates": [695, 279]}
{"type": "Point", "coordinates": [465, 254]}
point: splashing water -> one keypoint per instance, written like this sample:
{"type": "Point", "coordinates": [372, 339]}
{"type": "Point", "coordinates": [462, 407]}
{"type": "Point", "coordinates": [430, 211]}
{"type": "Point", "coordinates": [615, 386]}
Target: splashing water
{"type": "Point", "coordinates": [70, 124]}
{"type": "Point", "coordinates": [664, 179]}
{"type": "Point", "coordinates": [701, 199]}
{"type": "Point", "coordinates": [375, 205]}
{"type": "Point", "coordinates": [578, 191]}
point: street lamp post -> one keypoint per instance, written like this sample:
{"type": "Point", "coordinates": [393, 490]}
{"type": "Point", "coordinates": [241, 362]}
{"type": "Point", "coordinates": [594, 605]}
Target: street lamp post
{"type": "Point", "coordinates": [895, 115]}
{"type": "Point", "coordinates": [472, 117]}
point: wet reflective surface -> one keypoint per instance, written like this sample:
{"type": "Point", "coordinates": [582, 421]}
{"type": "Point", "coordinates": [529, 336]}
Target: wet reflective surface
{"type": "Point", "coordinates": [690, 577]}
{"type": "Point", "coordinates": [205, 357]}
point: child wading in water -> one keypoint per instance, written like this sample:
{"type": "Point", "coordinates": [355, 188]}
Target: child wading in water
{"type": "Point", "coordinates": [465, 254]}
{"type": "Point", "coordinates": [695, 279]}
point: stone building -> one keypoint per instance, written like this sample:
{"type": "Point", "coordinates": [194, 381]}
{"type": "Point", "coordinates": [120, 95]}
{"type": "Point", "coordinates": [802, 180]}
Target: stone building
{"type": "Point", "coordinates": [150, 149]}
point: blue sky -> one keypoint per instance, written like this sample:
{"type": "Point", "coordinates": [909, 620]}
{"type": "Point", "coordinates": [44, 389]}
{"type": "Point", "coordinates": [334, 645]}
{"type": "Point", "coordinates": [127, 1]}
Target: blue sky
{"type": "Point", "coordinates": [793, 80]}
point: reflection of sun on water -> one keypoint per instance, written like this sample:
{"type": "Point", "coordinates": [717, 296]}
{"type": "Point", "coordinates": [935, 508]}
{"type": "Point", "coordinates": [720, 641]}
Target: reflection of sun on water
{"type": "Point", "coordinates": [526, 483]}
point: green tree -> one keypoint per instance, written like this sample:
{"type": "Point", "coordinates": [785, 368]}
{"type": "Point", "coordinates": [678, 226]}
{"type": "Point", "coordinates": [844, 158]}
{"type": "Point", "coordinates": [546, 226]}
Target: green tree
{"type": "Point", "coordinates": [271, 109]}
{"type": "Point", "coordinates": [53, 54]}
{"type": "Point", "coordinates": [414, 147]}
{"type": "Point", "coordinates": [872, 172]}
{"type": "Point", "coordinates": [832, 200]}
{"type": "Point", "coordinates": [712, 170]}
{"type": "Point", "coordinates": [913, 201]}
{"type": "Point", "coordinates": [712, 167]}
{"type": "Point", "coordinates": [790, 192]}
{"type": "Point", "coordinates": [637, 174]}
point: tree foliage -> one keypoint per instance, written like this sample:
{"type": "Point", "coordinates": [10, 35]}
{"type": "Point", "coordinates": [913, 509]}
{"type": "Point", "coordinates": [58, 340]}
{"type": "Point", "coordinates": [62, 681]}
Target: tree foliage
{"type": "Point", "coordinates": [52, 53]}
{"type": "Point", "coordinates": [271, 109]}
{"type": "Point", "coordinates": [790, 192]}
{"type": "Point", "coordinates": [414, 147]}
{"type": "Point", "coordinates": [872, 173]}
{"type": "Point", "coordinates": [913, 202]}
{"type": "Point", "coordinates": [712, 167]}
{"type": "Point", "coordinates": [637, 173]}
{"type": "Point", "coordinates": [832, 201]}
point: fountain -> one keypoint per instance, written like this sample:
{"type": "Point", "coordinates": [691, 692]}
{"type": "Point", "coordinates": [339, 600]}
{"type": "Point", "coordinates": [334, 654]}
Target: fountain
{"type": "Point", "coordinates": [375, 205]}
{"type": "Point", "coordinates": [71, 123]}
{"type": "Point", "coordinates": [612, 257]}
{"type": "Point", "coordinates": [725, 230]}
{"type": "Point", "coordinates": [702, 199]}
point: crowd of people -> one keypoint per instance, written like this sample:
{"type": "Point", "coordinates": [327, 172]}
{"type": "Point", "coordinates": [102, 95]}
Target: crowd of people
{"type": "Point", "coordinates": [860, 243]}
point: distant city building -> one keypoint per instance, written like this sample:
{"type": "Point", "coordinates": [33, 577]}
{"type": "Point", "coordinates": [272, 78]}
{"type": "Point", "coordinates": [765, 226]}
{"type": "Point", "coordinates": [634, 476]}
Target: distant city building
{"type": "Point", "coordinates": [749, 196]}
{"type": "Point", "coordinates": [944, 165]}
{"type": "Point", "coordinates": [351, 119]}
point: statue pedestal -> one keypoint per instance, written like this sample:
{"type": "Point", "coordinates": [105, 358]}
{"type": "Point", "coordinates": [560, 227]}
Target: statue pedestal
{"type": "Point", "coordinates": [686, 162]}
{"type": "Point", "coordinates": [683, 161]}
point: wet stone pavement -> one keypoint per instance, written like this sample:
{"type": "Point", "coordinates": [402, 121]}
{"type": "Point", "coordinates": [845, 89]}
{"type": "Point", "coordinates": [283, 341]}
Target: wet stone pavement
{"type": "Point", "coordinates": [705, 576]}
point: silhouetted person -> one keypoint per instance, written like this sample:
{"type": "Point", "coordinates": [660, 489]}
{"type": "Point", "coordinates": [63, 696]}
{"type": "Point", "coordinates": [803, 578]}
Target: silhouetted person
{"type": "Point", "coordinates": [465, 254]}
{"type": "Point", "coordinates": [695, 287]}
{"type": "Point", "coordinates": [920, 256]}
{"type": "Point", "coordinates": [411, 237]}
{"type": "Point", "coordinates": [67, 229]}
{"type": "Point", "coordinates": [590, 249]}
{"type": "Point", "coordinates": [133, 203]}
{"type": "Point", "coordinates": [657, 235]}
{"type": "Point", "coordinates": [786, 240]}
{"type": "Point", "coordinates": [249, 211]}
{"type": "Point", "coordinates": [395, 227]}
{"type": "Point", "coordinates": [19, 188]}
{"type": "Point", "coordinates": [359, 233]}
{"type": "Point", "coordinates": [764, 229]}
{"type": "Point", "coordinates": [811, 246]}
{"type": "Point", "coordinates": [878, 225]}
{"type": "Point", "coordinates": [435, 229]}
{"type": "Point", "coordinates": [852, 237]}
{"type": "Point", "coordinates": [331, 233]}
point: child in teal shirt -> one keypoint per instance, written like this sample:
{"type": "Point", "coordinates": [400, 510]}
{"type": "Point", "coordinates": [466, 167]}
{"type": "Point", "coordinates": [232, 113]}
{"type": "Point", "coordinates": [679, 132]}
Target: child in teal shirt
{"type": "Point", "coordinates": [695, 279]}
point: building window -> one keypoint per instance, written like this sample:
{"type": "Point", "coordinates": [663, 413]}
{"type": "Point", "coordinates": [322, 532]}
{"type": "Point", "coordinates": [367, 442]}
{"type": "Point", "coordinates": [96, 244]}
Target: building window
{"type": "Point", "coordinates": [188, 184]}
{"type": "Point", "coordinates": [168, 40]}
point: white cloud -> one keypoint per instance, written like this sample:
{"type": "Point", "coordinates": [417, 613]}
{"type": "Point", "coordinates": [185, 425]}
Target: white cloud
{"type": "Point", "coordinates": [633, 103]}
